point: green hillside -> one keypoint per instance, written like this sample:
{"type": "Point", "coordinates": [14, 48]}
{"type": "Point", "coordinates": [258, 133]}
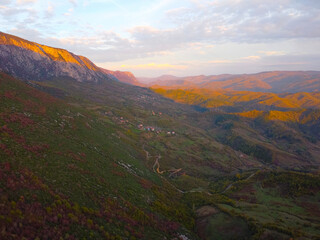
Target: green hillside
{"type": "Point", "coordinates": [68, 173]}
{"type": "Point", "coordinates": [112, 161]}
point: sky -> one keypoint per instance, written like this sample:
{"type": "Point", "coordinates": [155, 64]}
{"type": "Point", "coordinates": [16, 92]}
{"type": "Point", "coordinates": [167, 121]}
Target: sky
{"type": "Point", "coordinates": [177, 37]}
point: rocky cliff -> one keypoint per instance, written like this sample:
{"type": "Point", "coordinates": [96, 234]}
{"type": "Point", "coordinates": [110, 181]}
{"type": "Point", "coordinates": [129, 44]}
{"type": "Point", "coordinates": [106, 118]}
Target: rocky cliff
{"type": "Point", "coordinates": [32, 61]}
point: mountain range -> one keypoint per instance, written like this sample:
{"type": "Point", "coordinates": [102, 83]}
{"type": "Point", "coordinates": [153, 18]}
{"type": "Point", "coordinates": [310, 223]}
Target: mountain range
{"type": "Point", "coordinates": [243, 100]}
{"type": "Point", "coordinates": [89, 153]}
{"type": "Point", "coordinates": [276, 82]}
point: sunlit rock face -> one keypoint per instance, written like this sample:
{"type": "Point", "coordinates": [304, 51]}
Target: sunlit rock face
{"type": "Point", "coordinates": [31, 61]}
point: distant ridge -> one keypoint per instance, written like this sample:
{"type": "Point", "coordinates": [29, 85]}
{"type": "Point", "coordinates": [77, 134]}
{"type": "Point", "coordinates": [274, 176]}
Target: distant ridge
{"type": "Point", "coordinates": [275, 81]}
{"type": "Point", "coordinates": [161, 78]}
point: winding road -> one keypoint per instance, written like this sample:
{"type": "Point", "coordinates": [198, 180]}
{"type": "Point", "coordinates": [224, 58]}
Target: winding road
{"type": "Point", "coordinates": [156, 169]}
{"type": "Point", "coordinates": [157, 164]}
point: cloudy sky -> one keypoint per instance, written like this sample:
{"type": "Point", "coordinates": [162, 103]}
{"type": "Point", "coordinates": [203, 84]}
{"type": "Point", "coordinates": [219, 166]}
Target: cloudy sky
{"type": "Point", "coordinates": [179, 37]}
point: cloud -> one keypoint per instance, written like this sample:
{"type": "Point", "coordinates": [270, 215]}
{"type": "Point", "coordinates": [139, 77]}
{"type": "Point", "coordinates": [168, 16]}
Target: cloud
{"type": "Point", "coordinates": [69, 12]}
{"type": "Point", "coordinates": [254, 21]}
{"type": "Point", "coordinates": [12, 13]}
{"type": "Point", "coordinates": [272, 53]}
{"type": "Point", "coordinates": [225, 21]}
{"type": "Point", "coordinates": [5, 2]}
{"type": "Point", "coordinates": [50, 10]}
{"type": "Point", "coordinates": [22, 2]}
{"type": "Point", "coordinates": [73, 2]}
{"type": "Point", "coordinates": [239, 66]}
{"type": "Point", "coordinates": [153, 66]}
{"type": "Point", "coordinates": [220, 61]}
{"type": "Point", "coordinates": [254, 58]}
{"type": "Point", "coordinates": [30, 34]}
{"type": "Point", "coordinates": [212, 23]}
{"type": "Point", "coordinates": [291, 62]}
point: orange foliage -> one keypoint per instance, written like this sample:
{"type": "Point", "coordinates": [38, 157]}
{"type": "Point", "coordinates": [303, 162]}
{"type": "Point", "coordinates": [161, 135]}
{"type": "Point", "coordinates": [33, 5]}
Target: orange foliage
{"type": "Point", "coordinates": [290, 116]}
{"type": "Point", "coordinates": [210, 99]}
{"type": "Point", "coordinates": [251, 114]}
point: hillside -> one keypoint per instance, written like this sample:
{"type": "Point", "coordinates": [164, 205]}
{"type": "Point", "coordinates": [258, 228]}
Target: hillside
{"type": "Point", "coordinates": [66, 171]}
{"type": "Point", "coordinates": [201, 136]}
{"type": "Point", "coordinates": [98, 149]}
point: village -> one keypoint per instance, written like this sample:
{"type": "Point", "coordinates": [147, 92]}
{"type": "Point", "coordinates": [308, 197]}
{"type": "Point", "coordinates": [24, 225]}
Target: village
{"type": "Point", "coordinates": [147, 128]}
{"type": "Point", "coordinates": [154, 129]}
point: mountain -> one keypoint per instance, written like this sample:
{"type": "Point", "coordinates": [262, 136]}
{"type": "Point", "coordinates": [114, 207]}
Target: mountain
{"type": "Point", "coordinates": [161, 78]}
{"type": "Point", "coordinates": [276, 82]}
{"type": "Point", "coordinates": [32, 61]}
{"type": "Point", "coordinates": [176, 82]}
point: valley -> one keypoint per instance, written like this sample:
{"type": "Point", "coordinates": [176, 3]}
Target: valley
{"type": "Point", "coordinates": [85, 155]}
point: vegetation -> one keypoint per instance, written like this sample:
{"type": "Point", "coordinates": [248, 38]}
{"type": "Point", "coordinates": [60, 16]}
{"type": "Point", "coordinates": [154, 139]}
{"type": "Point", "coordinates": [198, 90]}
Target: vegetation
{"type": "Point", "coordinates": [82, 167]}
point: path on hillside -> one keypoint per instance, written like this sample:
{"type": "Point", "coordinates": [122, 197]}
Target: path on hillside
{"type": "Point", "coordinates": [157, 164]}
{"type": "Point", "coordinates": [147, 153]}
{"type": "Point", "coordinates": [174, 171]}
{"type": "Point", "coordinates": [231, 184]}
{"type": "Point", "coordinates": [156, 169]}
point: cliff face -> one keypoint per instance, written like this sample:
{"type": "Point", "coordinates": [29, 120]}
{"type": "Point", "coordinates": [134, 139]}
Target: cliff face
{"type": "Point", "coordinates": [32, 61]}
